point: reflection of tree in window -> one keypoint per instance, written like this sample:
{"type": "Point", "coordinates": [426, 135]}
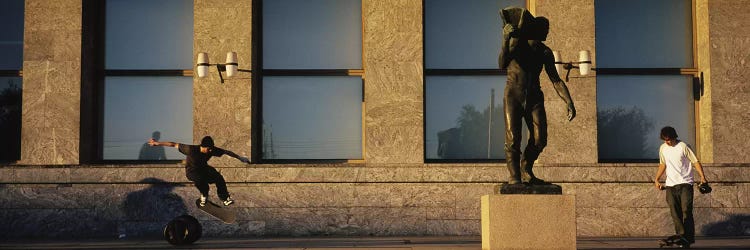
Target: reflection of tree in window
{"type": "Point", "coordinates": [623, 133]}
{"type": "Point", "coordinates": [10, 122]}
{"type": "Point", "coordinates": [469, 139]}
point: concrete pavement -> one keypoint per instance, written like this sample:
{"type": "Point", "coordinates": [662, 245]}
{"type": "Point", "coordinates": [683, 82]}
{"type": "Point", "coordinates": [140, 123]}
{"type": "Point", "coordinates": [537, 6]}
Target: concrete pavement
{"type": "Point", "coordinates": [320, 243]}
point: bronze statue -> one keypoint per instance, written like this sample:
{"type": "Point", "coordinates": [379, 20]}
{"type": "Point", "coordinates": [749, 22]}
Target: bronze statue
{"type": "Point", "coordinates": [523, 55]}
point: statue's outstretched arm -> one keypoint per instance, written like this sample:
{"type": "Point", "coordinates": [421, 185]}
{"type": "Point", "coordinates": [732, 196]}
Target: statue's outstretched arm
{"type": "Point", "coordinates": [558, 83]}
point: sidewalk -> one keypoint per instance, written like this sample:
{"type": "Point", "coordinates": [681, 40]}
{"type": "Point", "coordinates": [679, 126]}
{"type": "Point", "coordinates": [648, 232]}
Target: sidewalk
{"type": "Point", "coordinates": [390, 243]}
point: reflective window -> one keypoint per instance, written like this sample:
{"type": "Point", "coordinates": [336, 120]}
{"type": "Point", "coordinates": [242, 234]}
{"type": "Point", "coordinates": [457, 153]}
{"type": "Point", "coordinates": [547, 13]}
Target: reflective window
{"type": "Point", "coordinates": [147, 92]}
{"type": "Point", "coordinates": [147, 34]}
{"type": "Point", "coordinates": [11, 63]}
{"type": "Point", "coordinates": [10, 118]}
{"type": "Point", "coordinates": [312, 34]}
{"type": "Point", "coordinates": [464, 34]}
{"type": "Point", "coordinates": [464, 120]}
{"type": "Point", "coordinates": [645, 73]}
{"type": "Point", "coordinates": [656, 34]}
{"type": "Point", "coordinates": [312, 80]}
{"type": "Point", "coordinates": [631, 111]}
{"type": "Point", "coordinates": [139, 108]}
{"type": "Point", "coordinates": [314, 117]}
{"type": "Point", "coordinates": [464, 117]}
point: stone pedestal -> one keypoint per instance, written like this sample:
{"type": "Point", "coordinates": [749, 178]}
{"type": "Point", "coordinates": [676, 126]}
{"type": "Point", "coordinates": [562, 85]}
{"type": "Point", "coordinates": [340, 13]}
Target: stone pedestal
{"type": "Point", "coordinates": [528, 222]}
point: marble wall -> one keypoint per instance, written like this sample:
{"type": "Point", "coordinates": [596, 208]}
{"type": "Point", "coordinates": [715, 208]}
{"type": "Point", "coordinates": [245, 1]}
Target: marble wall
{"type": "Point", "coordinates": [729, 41]}
{"type": "Point", "coordinates": [223, 110]}
{"type": "Point", "coordinates": [109, 201]}
{"type": "Point", "coordinates": [393, 64]}
{"type": "Point", "coordinates": [51, 82]}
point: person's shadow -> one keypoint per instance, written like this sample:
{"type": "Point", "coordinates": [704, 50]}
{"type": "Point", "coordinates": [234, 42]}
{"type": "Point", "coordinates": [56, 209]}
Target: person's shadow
{"type": "Point", "coordinates": [152, 153]}
{"type": "Point", "coordinates": [147, 211]}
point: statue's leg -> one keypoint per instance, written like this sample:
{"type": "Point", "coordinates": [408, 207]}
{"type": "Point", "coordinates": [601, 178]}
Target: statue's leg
{"type": "Point", "coordinates": [513, 116]}
{"type": "Point", "coordinates": [536, 122]}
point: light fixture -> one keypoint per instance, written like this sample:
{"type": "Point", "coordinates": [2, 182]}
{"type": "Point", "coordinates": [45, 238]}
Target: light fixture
{"type": "Point", "coordinates": [231, 66]}
{"type": "Point", "coordinates": [583, 64]}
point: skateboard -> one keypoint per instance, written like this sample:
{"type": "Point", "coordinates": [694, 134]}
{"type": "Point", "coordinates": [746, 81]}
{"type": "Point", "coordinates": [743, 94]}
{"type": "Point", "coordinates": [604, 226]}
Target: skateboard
{"type": "Point", "coordinates": [224, 214]}
{"type": "Point", "coordinates": [674, 240]}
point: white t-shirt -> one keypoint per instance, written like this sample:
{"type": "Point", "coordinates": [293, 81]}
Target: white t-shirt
{"type": "Point", "coordinates": [677, 159]}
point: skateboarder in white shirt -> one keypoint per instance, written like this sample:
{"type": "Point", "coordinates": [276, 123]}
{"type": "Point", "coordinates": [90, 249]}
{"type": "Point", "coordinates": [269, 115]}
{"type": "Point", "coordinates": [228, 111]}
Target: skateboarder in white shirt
{"type": "Point", "coordinates": [675, 158]}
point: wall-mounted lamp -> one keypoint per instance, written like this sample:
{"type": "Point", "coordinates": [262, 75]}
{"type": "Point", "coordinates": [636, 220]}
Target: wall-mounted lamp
{"type": "Point", "coordinates": [583, 64]}
{"type": "Point", "coordinates": [230, 66]}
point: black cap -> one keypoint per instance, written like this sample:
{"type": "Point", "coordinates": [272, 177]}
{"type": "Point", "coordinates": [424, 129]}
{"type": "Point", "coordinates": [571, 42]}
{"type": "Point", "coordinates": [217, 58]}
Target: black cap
{"type": "Point", "coordinates": [207, 141]}
{"type": "Point", "coordinates": [704, 188]}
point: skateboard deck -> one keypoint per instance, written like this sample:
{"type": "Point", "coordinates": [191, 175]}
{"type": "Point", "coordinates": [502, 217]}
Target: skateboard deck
{"type": "Point", "coordinates": [227, 215]}
{"type": "Point", "coordinates": [674, 241]}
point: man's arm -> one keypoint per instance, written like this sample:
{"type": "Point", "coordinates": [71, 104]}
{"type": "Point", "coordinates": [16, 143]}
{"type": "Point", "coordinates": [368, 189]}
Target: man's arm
{"type": "Point", "coordinates": [153, 142]}
{"type": "Point", "coordinates": [236, 156]}
{"type": "Point", "coordinates": [699, 169]}
{"type": "Point", "coordinates": [659, 173]}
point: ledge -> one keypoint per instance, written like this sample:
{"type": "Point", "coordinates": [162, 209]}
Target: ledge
{"type": "Point", "coordinates": [354, 173]}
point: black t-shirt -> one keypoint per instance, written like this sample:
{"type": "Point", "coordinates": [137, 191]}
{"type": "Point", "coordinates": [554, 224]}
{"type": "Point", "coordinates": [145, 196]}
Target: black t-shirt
{"type": "Point", "coordinates": [196, 161]}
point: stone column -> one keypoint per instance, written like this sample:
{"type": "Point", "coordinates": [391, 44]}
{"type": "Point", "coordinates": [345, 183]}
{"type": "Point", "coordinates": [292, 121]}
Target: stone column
{"type": "Point", "coordinates": [393, 64]}
{"type": "Point", "coordinates": [571, 30]}
{"type": "Point", "coordinates": [223, 110]}
{"type": "Point", "coordinates": [50, 130]}
{"type": "Point", "coordinates": [728, 92]}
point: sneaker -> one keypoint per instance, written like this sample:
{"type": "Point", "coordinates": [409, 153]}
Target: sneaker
{"type": "Point", "coordinates": [228, 201]}
{"type": "Point", "coordinates": [203, 201]}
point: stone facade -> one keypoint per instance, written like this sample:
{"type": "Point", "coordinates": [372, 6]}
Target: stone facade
{"type": "Point", "coordinates": [393, 192]}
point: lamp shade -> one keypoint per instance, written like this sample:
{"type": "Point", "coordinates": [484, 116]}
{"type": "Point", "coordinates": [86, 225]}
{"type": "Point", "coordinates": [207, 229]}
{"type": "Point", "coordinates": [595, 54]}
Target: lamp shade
{"type": "Point", "coordinates": [202, 65]}
{"type": "Point", "coordinates": [584, 62]}
{"type": "Point", "coordinates": [231, 64]}
{"type": "Point", "coordinates": [558, 61]}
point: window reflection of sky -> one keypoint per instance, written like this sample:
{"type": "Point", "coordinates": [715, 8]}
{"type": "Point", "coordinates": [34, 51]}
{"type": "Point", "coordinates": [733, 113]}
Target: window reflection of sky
{"type": "Point", "coordinates": [644, 34]}
{"type": "Point", "coordinates": [464, 34]}
{"type": "Point", "coordinates": [665, 100]}
{"type": "Point", "coordinates": [312, 117]}
{"type": "Point", "coordinates": [147, 34]}
{"type": "Point", "coordinates": [312, 34]}
{"type": "Point", "coordinates": [11, 37]}
{"type": "Point", "coordinates": [135, 107]}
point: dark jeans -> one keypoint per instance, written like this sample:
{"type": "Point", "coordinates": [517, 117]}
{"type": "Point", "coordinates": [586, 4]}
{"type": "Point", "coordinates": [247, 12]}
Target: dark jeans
{"type": "Point", "coordinates": [680, 201]}
{"type": "Point", "coordinates": [210, 175]}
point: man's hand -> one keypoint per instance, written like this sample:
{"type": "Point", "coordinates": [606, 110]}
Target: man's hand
{"type": "Point", "coordinates": [658, 185]}
{"type": "Point", "coordinates": [571, 111]}
{"type": "Point", "coordinates": [244, 159]}
{"type": "Point", "coordinates": [153, 142]}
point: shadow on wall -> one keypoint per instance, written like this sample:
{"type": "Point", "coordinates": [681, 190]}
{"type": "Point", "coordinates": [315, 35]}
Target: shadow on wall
{"type": "Point", "coordinates": [735, 225]}
{"type": "Point", "coordinates": [148, 210]}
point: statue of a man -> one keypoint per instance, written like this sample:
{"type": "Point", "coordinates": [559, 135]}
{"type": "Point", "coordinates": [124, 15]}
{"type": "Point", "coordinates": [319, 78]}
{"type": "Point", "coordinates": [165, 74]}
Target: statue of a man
{"type": "Point", "coordinates": [524, 55]}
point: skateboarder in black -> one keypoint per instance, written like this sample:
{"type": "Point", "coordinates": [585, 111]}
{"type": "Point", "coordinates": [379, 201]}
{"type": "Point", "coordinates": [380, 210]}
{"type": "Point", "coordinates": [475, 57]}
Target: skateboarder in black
{"type": "Point", "coordinates": [198, 170]}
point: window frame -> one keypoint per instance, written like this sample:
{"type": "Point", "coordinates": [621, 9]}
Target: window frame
{"type": "Point", "coordinates": [257, 89]}
{"type": "Point", "coordinates": [17, 73]}
{"type": "Point", "coordinates": [94, 73]}
{"type": "Point", "coordinates": [693, 71]}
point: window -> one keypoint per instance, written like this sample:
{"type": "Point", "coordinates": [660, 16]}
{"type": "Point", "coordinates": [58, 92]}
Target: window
{"type": "Point", "coordinates": [312, 87]}
{"type": "Point", "coordinates": [645, 73]}
{"type": "Point", "coordinates": [147, 90]}
{"type": "Point", "coordinates": [11, 63]}
{"type": "Point", "coordinates": [463, 84]}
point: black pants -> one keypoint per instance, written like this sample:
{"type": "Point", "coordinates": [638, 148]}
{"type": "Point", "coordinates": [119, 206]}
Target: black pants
{"type": "Point", "coordinates": [206, 176]}
{"type": "Point", "coordinates": [680, 201]}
